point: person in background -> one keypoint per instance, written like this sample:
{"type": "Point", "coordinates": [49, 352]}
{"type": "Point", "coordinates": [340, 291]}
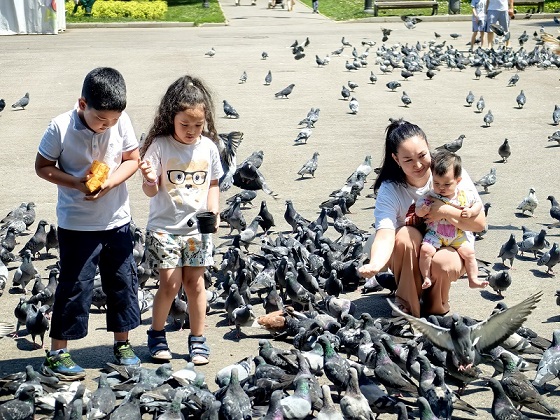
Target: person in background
{"type": "Point", "coordinates": [478, 21]}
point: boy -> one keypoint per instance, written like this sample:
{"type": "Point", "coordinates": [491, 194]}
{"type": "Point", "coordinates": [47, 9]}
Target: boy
{"type": "Point", "coordinates": [478, 21]}
{"type": "Point", "coordinates": [446, 174]}
{"type": "Point", "coordinates": [93, 226]}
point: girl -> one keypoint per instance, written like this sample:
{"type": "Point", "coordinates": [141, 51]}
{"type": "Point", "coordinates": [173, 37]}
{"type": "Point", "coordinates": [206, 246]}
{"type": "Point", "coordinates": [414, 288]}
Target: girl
{"type": "Point", "coordinates": [181, 168]}
{"type": "Point", "coordinates": [406, 176]}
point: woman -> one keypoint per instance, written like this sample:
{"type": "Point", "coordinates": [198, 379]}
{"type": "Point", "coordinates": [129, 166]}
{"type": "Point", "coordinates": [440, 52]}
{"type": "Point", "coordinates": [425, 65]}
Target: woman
{"type": "Point", "coordinates": [405, 176]}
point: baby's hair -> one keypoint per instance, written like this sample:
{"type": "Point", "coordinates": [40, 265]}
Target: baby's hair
{"type": "Point", "coordinates": [104, 90]}
{"type": "Point", "coordinates": [186, 92]}
{"type": "Point", "coordinates": [397, 132]}
{"type": "Point", "coordinates": [443, 160]}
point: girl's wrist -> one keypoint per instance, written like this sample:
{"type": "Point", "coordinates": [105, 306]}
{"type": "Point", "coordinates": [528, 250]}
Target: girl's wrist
{"type": "Point", "coordinates": [149, 183]}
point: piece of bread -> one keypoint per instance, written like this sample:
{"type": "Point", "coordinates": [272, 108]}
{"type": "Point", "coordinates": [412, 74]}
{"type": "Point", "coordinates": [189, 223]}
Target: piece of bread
{"type": "Point", "coordinates": [100, 172]}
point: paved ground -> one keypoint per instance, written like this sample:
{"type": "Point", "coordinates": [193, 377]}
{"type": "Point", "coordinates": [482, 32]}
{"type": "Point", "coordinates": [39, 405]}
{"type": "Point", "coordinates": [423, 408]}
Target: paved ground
{"type": "Point", "coordinates": [51, 69]}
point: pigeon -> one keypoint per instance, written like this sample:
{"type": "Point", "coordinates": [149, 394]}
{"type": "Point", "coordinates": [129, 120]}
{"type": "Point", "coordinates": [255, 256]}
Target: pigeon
{"type": "Point", "coordinates": [264, 55]}
{"type": "Point", "coordinates": [102, 400]}
{"type": "Point", "coordinates": [25, 272]}
{"type": "Point", "coordinates": [504, 150]}
{"type": "Point", "coordinates": [268, 78]}
{"type": "Point", "coordinates": [502, 407]}
{"type": "Point", "coordinates": [345, 43]}
{"type": "Point", "coordinates": [338, 51]}
{"type": "Point", "coordinates": [492, 74]}
{"type": "Point", "coordinates": [555, 137]}
{"type": "Point", "coordinates": [8, 242]}
{"type": "Point", "coordinates": [267, 218]}
{"type": "Point", "coordinates": [345, 92]}
{"type": "Point", "coordinates": [509, 250]}
{"type": "Point", "coordinates": [229, 110]}
{"type": "Point", "coordinates": [389, 374]}
{"type": "Point", "coordinates": [246, 197]}
{"type": "Point", "coordinates": [354, 106]}
{"type": "Point", "coordinates": [52, 239]}
{"type": "Point", "coordinates": [242, 317]}
{"type": "Point", "coordinates": [336, 368]}
{"type": "Point", "coordinates": [243, 77]}
{"type": "Point", "coordinates": [556, 115]}
{"type": "Point", "coordinates": [46, 295]}
{"type": "Point", "coordinates": [2, 105]}
{"type": "Point", "coordinates": [470, 98]}
{"type": "Point", "coordinates": [521, 99]}
{"type": "Point", "coordinates": [20, 312]}
{"type": "Point", "coordinates": [352, 85]}
{"type": "Point", "coordinates": [350, 66]}
{"type": "Point", "coordinates": [293, 217]}
{"type": "Point", "coordinates": [36, 322]}
{"type": "Point", "coordinates": [129, 408]}
{"type": "Point", "coordinates": [466, 341]}
{"type": "Point", "coordinates": [453, 146]}
{"type": "Point", "coordinates": [372, 78]}
{"type": "Point", "coordinates": [22, 103]}
{"type": "Point", "coordinates": [386, 33]}
{"type": "Point", "coordinates": [410, 22]}
{"type": "Point", "coordinates": [406, 99]}
{"type": "Point", "coordinates": [211, 52]}
{"type": "Point", "coordinates": [497, 29]}
{"type": "Point", "coordinates": [320, 62]}
{"type": "Point", "coordinates": [303, 136]}
{"type": "Point", "coordinates": [393, 85]}
{"type": "Point", "coordinates": [519, 388]}
{"type": "Point", "coordinates": [3, 277]}
{"type": "Point", "coordinates": [549, 365]}
{"type": "Point", "coordinates": [477, 73]}
{"type": "Point", "coordinates": [550, 258]}
{"type": "Point", "coordinates": [430, 74]}
{"type": "Point", "coordinates": [488, 118]}
{"type": "Point", "coordinates": [284, 93]}
{"type": "Point", "coordinates": [249, 177]}
{"type": "Point", "coordinates": [533, 243]}
{"type": "Point", "coordinates": [227, 147]}
{"type": "Point", "coordinates": [499, 281]}
{"type": "Point", "coordinates": [22, 407]}
{"type": "Point", "coordinates": [487, 180]}
{"type": "Point", "coordinates": [37, 242]}
{"type": "Point", "coordinates": [554, 211]}
{"type": "Point", "coordinates": [247, 236]}
{"type": "Point", "coordinates": [480, 105]}
{"type": "Point", "coordinates": [329, 411]}
{"type": "Point", "coordinates": [310, 166]}
{"type": "Point", "coordinates": [354, 405]}
{"type": "Point", "coordinates": [529, 203]}
{"type": "Point", "coordinates": [298, 405]}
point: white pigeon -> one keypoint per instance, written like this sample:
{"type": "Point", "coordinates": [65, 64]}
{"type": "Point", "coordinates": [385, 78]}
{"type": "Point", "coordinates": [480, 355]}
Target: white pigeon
{"type": "Point", "coordinates": [529, 203]}
{"type": "Point", "coordinates": [211, 53]}
{"type": "Point", "coordinates": [354, 106]}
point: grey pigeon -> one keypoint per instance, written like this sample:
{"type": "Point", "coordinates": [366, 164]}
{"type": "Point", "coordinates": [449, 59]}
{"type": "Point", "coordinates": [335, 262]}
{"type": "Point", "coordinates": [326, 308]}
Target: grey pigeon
{"type": "Point", "coordinates": [556, 115]}
{"type": "Point", "coordinates": [329, 411]}
{"type": "Point", "coordinates": [267, 218]}
{"type": "Point", "coordinates": [488, 118]}
{"type": "Point", "coordinates": [504, 150]}
{"type": "Point", "coordinates": [298, 405]}
{"type": "Point", "coordinates": [233, 301]}
{"type": "Point", "coordinates": [229, 110]}
{"type": "Point", "coordinates": [268, 78]}
{"type": "Point", "coordinates": [3, 276]}
{"type": "Point", "coordinates": [236, 405]}
{"type": "Point", "coordinates": [173, 412]}
{"type": "Point", "coordinates": [37, 242]}
{"type": "Point", "coordinates": [303, 135]}
{"type": "Point", "coordinates": [354, 405]}
{"type": "Point", "coordinates": [243, 77]}
{"type": "Point", "coordinates": [406, 99]}
{"type": "Point", "coordinates": [465, 341]}
{"type": "Point", "coordinates": [425, 410]}
{"type": "Point", "coordinates": [499, 281]}
{"type": "Point", "coordinates": [320, 62]}
{"type": "Point", "coordinates": [533, 243]}
{"type": "Point", "coordinates": [211, 52]}
{"type": "Point", "coordinates": [102, 401]}
{"type": "Point", "coordinates": [246, 197]}
{"type": "Point", "coordinates": [310, 166]}
{"type": "Point", "coordinates": [555, 137]}
{"type": "Point", "coordinates": [352, 85]}
{"type": "Point", "coordinates": [502, 407]}
{"type": "Point", "coordinates": [519, 388]}
{"type": "Point", "coordinates": [293, 217]}
{"type": "Point", "coordinates": [336, 368]}
{"type": "Point", "coordinates": [37, 323]}
{"type": "Point", "coordinates": [354, 106]}
{"type": "Point", "coordinates": [233, 216]}
{"type": "Point", "coordinates": [46, 295]}
{"type": "Point", "coordinates": [393, 85]}
{"type": "Point", "coordinates": [264, 55]}
{"type": "Point", "coordinates": [410, 22]}
{"type": "Point", "coordinates": [9, 240]}
{"type": "Point", "coordinates": [550, 258]}
{"type": "Point", "coordinates": [470, 98]}
{"type": "Point", "coordinates": [509, 250]}
{"type": "Point", "coordinates": [52, 239]}
{"type": "Point", "coordinates": [453, 146]}
{"type": "Point", "coordinates": [129, 408]}
{"type": "Point", "coordinates": [480, 105]}
{"type": "Point", "coordinates": [513, 79]}
{"type": "Point", "coordinates": [372, 78]}
{"type": "Point", "coordinates": [554, 211]}
{"type": "Point", "coordinates": [549, 365]}
{"type": "Point", "coordinates": [243, 367]}
{"type": "Point", "coordinates": [529, 203]}
{"type": "Point", "coordinates": [22, 103]}
{"type": "Point", "coordinates": [487, 180]}
{"type": "Point", "coordinates": [25, 272]}
{"type": "Point", "coordinates": [2, 105]}
{"type": "Point", "coordinates": [284, 93]}
{"type": "Point", "coordinates": [345, 92]}
{"type": "Point", "coordinates": [247, 236]}
{"type": "Point", "coordinates": [243, 317]}
{"type": "Point", "coordinates": [227, 147]}
{"type": "Point", "coordinates": [389, 374]}
{"type": "Point", "coordinates": [521, 99]}
{"type": "Point", "coordinates": [249, 177]}
{"type": "Point", "coordinates": [20, 408]}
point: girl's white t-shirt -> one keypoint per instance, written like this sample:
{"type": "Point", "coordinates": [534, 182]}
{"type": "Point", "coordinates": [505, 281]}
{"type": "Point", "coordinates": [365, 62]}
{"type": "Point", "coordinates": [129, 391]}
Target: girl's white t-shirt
{"type": "Point", "coordinates": [185, 172]}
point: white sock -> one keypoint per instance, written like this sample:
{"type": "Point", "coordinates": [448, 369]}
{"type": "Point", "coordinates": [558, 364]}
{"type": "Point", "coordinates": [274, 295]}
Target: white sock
{"type": "Point", "coordinates": [59, 351]}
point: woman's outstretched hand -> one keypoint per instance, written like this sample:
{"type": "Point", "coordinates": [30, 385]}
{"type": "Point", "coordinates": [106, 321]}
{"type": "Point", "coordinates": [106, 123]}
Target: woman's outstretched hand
{"type": "Point", "coordinates": [367, 270]}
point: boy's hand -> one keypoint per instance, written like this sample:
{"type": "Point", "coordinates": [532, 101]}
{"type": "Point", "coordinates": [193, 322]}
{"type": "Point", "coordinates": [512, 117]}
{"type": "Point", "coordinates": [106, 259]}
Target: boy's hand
{"type": "Point", "coordinates": [148, 172]}
{"type": "Point", "coordinates": [466, 212]}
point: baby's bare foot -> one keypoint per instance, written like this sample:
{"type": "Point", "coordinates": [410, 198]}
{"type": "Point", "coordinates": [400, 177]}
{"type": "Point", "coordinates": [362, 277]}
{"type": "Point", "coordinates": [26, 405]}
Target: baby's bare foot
{"type": "Point", "coordinates": [477, 284]}
{"type": "Point", "coordinates": [427, 283]}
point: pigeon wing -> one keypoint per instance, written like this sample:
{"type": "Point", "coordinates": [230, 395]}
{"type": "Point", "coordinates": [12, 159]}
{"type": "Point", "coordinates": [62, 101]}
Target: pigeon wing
{"type": "Point", "coordinates": [439, 336]}
{"type": "Point", "coordinates": [492, 331]}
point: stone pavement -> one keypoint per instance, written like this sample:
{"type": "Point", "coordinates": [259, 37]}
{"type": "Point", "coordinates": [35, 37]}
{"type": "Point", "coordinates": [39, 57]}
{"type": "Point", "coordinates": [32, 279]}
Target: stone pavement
{"type": "Point", "coordinates": [51, 69]}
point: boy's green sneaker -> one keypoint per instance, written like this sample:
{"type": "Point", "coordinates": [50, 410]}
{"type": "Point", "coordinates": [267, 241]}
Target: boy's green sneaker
{"type": "Point", "coordinates": [125, 355]}
{"type": "Point", "coordinates": [62, 366]}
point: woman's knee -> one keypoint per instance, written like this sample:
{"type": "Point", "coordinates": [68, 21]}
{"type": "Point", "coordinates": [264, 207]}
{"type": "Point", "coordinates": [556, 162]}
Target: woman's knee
{"type": "Point", "coordinates": [447, 263]}
{"type": "Point", "coordinates": [408, 237]}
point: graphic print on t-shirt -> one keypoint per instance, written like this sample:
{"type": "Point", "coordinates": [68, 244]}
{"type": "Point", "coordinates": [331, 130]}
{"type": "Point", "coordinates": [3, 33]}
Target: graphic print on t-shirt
{"type": "Point", "coordinates": [186, 181]}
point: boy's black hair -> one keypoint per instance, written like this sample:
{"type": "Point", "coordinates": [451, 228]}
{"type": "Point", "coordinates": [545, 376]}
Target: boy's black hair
{"type": "Point", "coordinates": [442, 160]}
{"type": "Point", "coordinates": [104, 90]}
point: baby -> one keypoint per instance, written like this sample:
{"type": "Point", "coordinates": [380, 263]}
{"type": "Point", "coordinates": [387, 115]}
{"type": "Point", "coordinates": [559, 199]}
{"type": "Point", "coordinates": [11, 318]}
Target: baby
{"type": "Point", "coordinates": [446, 175]}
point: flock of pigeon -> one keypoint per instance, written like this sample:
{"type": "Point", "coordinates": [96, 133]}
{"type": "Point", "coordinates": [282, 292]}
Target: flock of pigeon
{"type": "Point", "coordinates": [343, 364]}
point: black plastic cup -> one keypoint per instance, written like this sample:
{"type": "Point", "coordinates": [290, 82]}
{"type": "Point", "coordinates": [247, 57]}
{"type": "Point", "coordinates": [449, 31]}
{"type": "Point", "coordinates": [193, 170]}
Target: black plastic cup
{"type": "Point", "coordinates": [206, 222]}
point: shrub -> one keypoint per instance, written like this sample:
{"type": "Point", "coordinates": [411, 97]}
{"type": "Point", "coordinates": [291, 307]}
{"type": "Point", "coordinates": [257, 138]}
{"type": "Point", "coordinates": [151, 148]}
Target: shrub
{"type": "Point", "coordinates": [134, 9]}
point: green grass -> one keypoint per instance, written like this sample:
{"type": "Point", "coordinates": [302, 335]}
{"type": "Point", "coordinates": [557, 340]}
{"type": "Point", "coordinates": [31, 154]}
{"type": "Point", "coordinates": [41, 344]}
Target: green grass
{"type": "Point", "coordinates": [178, 11]}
